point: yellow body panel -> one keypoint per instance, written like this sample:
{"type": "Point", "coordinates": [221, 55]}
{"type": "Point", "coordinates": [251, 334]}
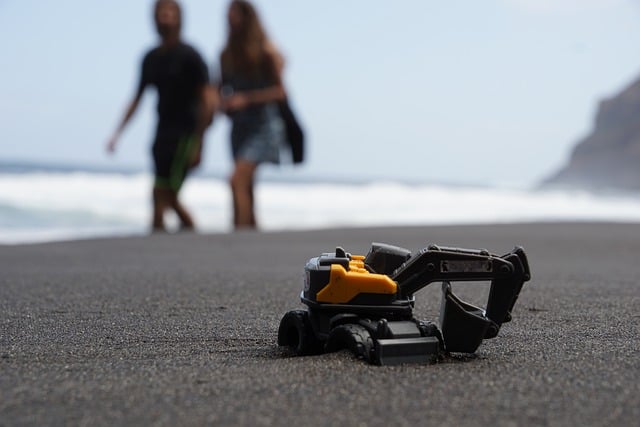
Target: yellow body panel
{"type": "Point", "coordinates": [345, 285]}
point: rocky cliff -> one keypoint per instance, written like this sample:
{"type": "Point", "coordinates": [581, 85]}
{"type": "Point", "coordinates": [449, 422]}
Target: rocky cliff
{"type": "Point", "coordinates": [608, 158]}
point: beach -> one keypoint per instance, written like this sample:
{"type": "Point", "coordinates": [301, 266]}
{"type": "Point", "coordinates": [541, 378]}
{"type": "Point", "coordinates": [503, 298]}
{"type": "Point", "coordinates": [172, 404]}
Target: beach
{"type": "Point", "coordinates": [181, 330]}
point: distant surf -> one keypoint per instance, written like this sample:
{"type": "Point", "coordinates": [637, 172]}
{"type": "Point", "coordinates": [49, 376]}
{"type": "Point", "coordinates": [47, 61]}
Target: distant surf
{"type": "Point", "coordinates": [40, 206]}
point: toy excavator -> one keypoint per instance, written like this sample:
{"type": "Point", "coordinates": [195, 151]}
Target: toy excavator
{"type": "Point", "coordinates": [365, 303]}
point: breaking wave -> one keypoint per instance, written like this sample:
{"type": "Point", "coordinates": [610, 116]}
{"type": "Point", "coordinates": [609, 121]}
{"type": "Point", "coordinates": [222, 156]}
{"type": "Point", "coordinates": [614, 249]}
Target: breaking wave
{"type": "Point", "coordinates": [46, 206]}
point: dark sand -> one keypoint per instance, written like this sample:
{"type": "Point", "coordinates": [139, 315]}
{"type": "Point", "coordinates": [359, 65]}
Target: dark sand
{"type": "Point", "coordinates": [181, 330]}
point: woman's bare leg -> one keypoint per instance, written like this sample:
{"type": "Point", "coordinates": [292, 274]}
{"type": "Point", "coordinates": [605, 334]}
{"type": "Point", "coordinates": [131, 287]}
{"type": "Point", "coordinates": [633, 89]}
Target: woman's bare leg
{"type": "Point", "coordinates": [242, 181]}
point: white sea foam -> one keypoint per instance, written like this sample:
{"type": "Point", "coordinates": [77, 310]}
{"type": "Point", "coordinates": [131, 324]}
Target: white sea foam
{"type": "Point", "coordinates": [36, 207]}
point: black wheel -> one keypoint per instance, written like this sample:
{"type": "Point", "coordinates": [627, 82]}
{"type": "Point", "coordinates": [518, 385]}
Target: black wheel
{"type": "Point", "coordinates": [429, 329]}
{"type": "Point", "coordinates": [354, 338]}
{"type": "Point", "coordinates": [295, 332]}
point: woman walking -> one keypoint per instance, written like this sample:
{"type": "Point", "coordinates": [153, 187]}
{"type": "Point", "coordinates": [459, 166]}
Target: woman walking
{"type": "Point", "coordinates": [251, 89]}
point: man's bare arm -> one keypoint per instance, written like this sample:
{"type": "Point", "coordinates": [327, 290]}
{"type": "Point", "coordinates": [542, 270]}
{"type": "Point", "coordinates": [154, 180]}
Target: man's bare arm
{"type": "Point", "coordinates": [209, 103]}
{"type": "Point", "coordinates": [130, 111]}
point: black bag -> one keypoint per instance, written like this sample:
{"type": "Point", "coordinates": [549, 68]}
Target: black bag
{"type": "Point", "coordinates": [294, 132]}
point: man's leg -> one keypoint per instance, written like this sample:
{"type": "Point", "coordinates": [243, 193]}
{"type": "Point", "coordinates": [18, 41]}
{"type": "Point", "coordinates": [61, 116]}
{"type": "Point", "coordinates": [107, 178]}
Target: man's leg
{"type": "Point", "coordinates": [181, 164]}
{"type": "Point", "coordinates": [186, 221]}
{"type": "Point", "coordinates": [161, 203]}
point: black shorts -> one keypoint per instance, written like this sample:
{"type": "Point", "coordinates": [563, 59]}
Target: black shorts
{"type": "Point", "coordinates": [172, 155]}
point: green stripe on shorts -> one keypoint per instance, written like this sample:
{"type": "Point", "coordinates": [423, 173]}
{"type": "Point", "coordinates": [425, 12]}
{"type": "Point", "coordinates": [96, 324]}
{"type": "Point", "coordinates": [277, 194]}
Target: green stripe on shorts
{"type": "Point", "coordinates": [180, 165]}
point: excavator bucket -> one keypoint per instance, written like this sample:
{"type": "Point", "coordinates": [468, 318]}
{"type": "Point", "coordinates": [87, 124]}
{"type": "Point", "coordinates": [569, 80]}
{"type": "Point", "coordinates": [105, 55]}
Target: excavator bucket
{"type": "Point", "coordinates": [464, 326]}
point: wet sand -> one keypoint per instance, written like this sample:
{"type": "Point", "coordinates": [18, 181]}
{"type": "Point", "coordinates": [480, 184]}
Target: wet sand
{"type": "Point", "coordinates": [181, 330]}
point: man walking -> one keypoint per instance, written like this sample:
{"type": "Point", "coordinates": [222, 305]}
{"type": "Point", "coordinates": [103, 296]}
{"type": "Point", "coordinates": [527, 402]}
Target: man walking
{"type": "Point", "coordinates": [185, 108]}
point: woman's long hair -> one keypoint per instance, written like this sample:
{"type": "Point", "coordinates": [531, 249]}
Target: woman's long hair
{"type": "Point", "coordinates": [246, 50]}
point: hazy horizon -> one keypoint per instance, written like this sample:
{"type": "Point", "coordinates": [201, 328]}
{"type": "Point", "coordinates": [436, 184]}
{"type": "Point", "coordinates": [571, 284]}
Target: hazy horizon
{"type": "Point", "coordinates": [491, 93]}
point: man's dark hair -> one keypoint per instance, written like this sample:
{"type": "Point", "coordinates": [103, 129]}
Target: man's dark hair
{"type": "Point", "coordinates": [162, 3]}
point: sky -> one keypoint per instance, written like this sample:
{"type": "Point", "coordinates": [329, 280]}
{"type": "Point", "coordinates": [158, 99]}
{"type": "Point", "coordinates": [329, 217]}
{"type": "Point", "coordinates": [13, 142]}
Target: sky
{"type": "Point", "coordinates": [496, 92]}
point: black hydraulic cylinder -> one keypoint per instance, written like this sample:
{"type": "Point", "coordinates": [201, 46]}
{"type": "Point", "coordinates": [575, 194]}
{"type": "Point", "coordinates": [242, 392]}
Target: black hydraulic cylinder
{"type": "Point", "coordinates": [505, 290]}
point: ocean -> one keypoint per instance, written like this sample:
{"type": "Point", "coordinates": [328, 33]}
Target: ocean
{"type": "Point", "coordinates": [49, 204]}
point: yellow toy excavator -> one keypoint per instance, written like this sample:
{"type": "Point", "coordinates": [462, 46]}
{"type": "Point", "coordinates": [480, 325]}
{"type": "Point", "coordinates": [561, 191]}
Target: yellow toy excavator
{"type": "Point", "coordinates": [365, 303]}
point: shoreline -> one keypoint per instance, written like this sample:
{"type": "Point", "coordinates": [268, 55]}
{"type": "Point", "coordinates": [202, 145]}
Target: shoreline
{"type": "Point", "coordinates": [142, 235]}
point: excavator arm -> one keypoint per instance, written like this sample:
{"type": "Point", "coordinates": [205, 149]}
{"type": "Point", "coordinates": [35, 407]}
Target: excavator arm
{"type": "Point", "coordinates": [507, 274]}
{"type": "Point", "coordinates": [463, 325]}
